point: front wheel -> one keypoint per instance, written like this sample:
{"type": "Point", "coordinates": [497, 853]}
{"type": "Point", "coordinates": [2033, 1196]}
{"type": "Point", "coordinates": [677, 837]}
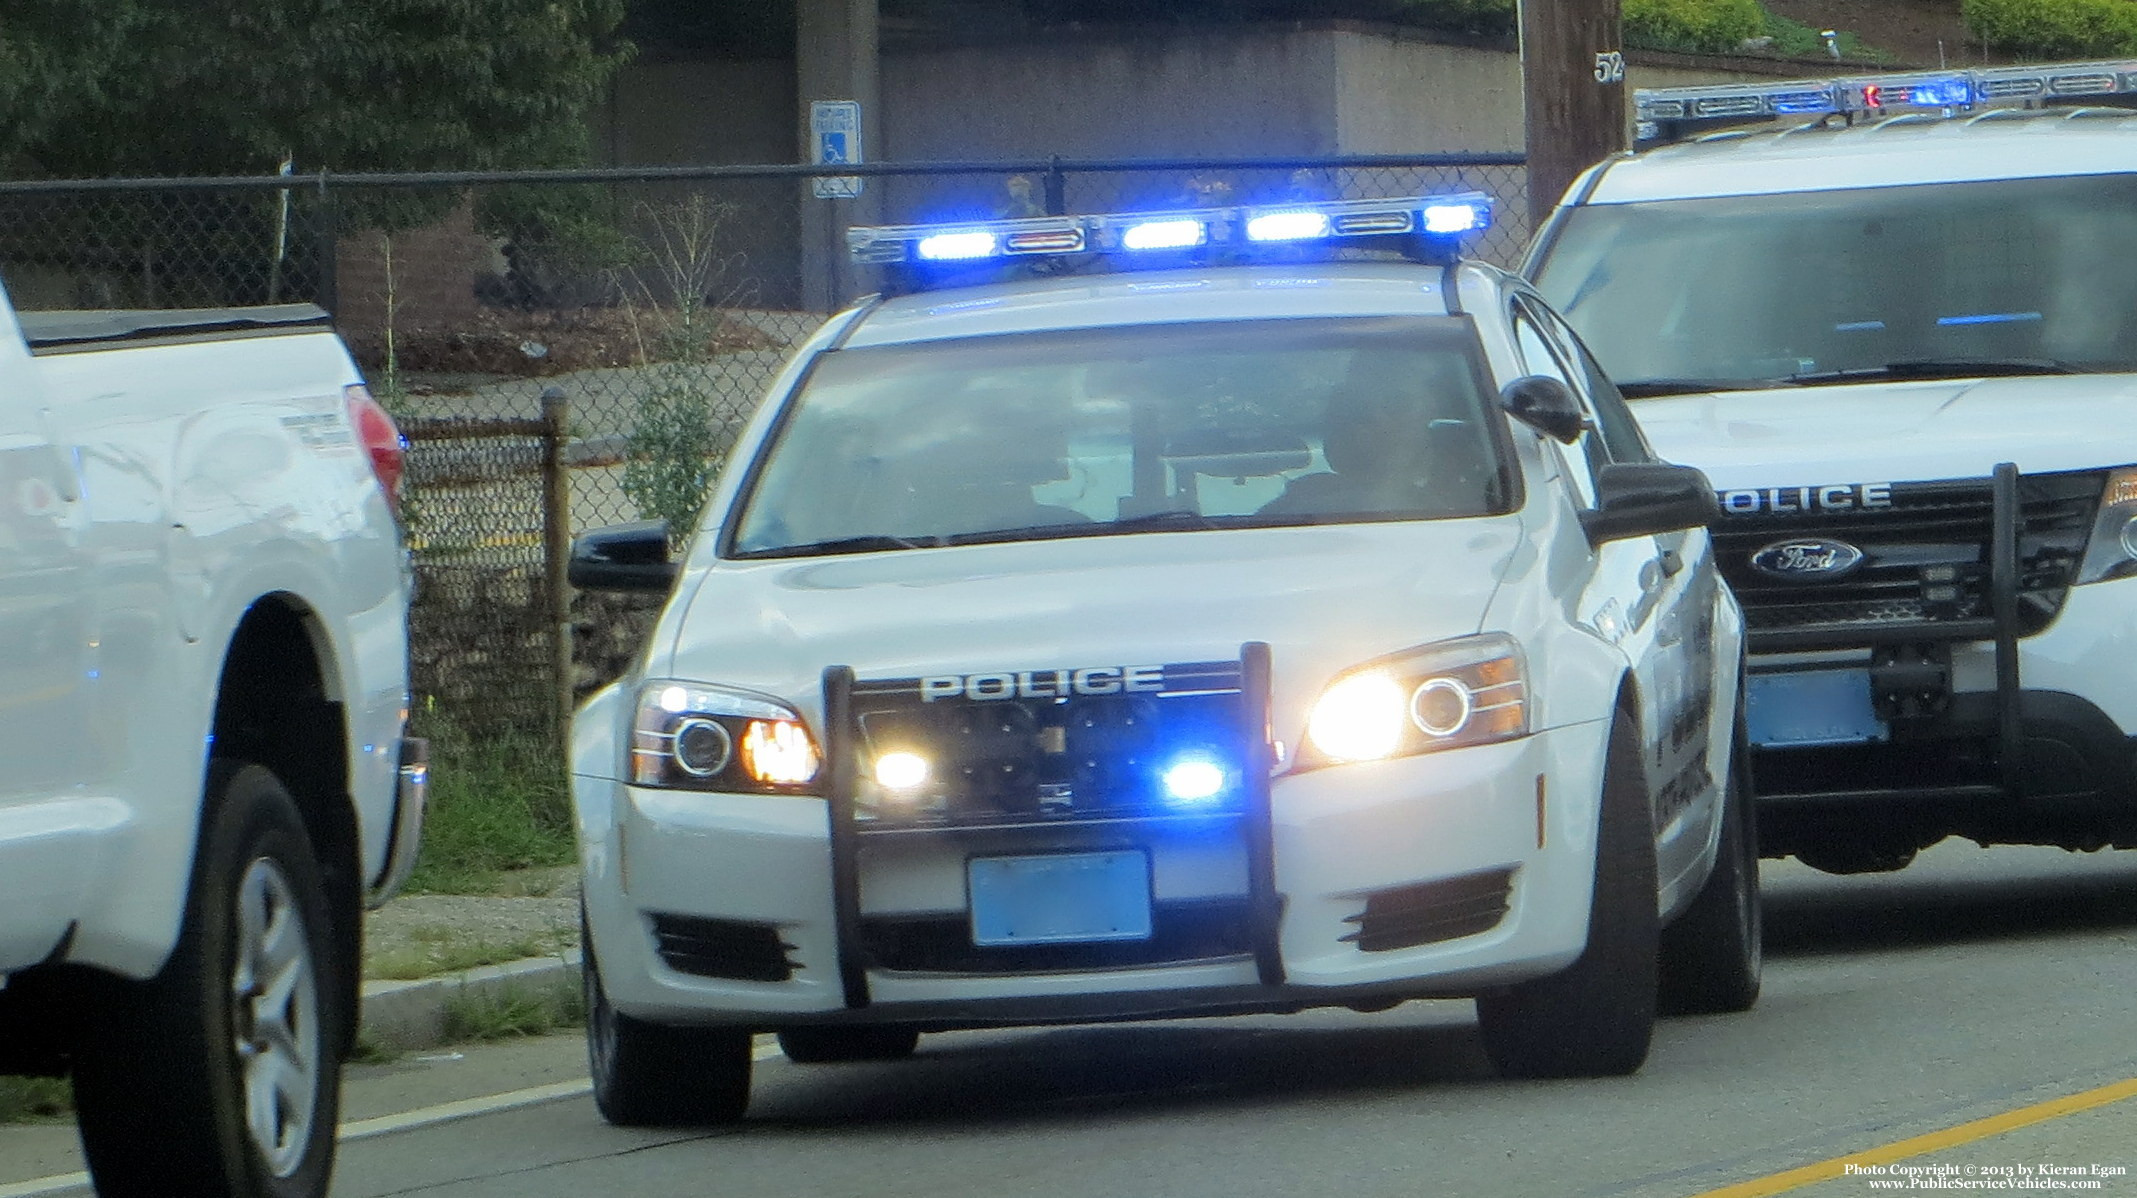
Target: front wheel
{"type": "Point", "coordinates": [217, 1076]}
{"type": "Point", "coordinates": [1596, 1017]}
{"type": "Point", "coordinates": [651, 1075]}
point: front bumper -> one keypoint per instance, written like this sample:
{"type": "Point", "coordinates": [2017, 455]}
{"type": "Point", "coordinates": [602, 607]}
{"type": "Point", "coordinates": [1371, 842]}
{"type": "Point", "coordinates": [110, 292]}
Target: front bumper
{"type": "Point", "coordinates": [1439, 875]}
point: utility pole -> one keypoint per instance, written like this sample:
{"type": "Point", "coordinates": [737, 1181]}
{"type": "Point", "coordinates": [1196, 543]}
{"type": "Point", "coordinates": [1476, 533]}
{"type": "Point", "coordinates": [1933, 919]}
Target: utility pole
{"type": "Point", "coordinates": [1573, 92]}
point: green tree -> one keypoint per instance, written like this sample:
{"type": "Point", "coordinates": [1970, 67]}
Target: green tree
{"type": "Point", "coordinates": [152, 87]}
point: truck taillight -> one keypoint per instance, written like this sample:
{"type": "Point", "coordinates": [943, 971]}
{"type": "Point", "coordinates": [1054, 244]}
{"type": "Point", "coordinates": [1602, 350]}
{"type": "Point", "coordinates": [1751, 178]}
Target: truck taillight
{"type": "Point", "coordinates": [375, 431]}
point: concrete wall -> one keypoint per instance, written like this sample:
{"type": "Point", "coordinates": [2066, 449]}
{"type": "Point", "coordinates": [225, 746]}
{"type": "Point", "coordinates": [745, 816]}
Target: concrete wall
{"type": "Point", "coordinates": [1161, 91]}
{"type": "Point", "coordinates": [674, 112]}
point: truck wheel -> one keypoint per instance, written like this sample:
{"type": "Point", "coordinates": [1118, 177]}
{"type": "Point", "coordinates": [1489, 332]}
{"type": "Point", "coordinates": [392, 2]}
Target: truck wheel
{"type": "Point", "coordinates": [832, 1045]}
{"type": "Point", "coordinates": [218, 1076]}
{"type": "Point", "coordinates": [1595, 1017]}
{"type": "Point", "coordinates": [648, 1075]}
{"type": "Point", "coordinates": [1712, 955]}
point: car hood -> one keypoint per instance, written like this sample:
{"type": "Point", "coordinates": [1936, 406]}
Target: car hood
{"type": "Point", "coordinates": [1325, 598]}
{"type": "Point", "coordinates": [1897, 431]}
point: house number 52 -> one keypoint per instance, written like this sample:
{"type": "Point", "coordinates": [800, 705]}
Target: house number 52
{"type": "Point", "coordinates": [1609, 67]}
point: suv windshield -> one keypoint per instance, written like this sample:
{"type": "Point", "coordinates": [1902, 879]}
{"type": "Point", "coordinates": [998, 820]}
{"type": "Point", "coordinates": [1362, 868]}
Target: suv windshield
{"type": "Point", "coordinates": [1944, 280]}
{"type": "Point", "coordinates": [1093, 431]}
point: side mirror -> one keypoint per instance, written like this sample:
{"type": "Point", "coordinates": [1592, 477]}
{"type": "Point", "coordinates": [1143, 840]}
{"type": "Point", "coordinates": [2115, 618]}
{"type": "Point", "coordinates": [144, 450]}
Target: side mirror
{"type": "Point", "coordinates": [1635, 499]}
{"type": "Point", "coordinates": [1546, 405]}
{"type": "Point", "coordinates": [623, 557]}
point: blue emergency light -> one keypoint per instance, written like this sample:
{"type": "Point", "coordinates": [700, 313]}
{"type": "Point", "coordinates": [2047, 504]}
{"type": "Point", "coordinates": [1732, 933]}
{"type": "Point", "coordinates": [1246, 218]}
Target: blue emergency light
{"type": "Point", "coordinates": [1163, 237]}
{"type": "Point", "coordinates": [1670, 113]}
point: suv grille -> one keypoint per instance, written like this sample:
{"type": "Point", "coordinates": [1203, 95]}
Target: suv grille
{"type": "Point", "coordinates": [1931, 529]}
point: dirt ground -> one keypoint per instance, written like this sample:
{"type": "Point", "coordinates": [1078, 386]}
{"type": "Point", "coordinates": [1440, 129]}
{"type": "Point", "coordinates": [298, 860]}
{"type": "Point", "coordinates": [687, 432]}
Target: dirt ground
{"type": "Point", "coordinates": [1913, 30]}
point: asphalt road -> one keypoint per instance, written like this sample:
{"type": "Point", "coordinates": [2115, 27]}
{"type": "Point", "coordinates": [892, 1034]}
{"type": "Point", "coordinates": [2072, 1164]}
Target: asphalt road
{"type": "Point", "coordinates": [1898, 1007]}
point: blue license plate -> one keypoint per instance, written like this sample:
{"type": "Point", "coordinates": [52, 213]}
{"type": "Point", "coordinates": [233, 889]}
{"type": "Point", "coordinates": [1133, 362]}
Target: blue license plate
{"type": "Point", "coordinates": [1813, 707]}
{"type": "Point", "coordinates": [1060, 898]}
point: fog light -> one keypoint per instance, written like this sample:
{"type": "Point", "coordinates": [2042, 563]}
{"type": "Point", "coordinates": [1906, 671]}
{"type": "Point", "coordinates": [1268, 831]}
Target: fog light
{"type": "Point", "coordinates": [901, 771]}
{"type": "Point", "coordinates": [1194, 780]}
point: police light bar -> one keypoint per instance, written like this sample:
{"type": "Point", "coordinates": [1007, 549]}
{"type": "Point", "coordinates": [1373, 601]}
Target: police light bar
{"type": "Point", "coordinates": [1170, 234]}
{"type": "Point", "coordinates": [1665, 114]}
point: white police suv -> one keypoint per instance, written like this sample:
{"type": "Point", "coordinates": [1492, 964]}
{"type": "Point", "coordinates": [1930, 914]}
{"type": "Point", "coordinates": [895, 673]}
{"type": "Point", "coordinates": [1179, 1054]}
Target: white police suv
{"type": "Point", "coordinates": [1193, 619]}
{"type": "Point", "coordinates": [1895, 322]}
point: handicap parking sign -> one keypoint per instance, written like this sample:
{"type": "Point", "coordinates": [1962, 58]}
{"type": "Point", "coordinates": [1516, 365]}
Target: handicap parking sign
{"type": "Point", "coordinates": [836, 125]}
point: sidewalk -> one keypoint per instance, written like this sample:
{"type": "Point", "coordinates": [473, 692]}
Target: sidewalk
{"type": "Point", "coordinates": [413, 932]}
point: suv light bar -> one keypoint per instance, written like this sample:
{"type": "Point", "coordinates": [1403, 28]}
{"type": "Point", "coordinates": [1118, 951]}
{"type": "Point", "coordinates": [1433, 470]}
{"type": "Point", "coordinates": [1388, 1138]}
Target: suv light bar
{"type": "Point", "coordinates": [1167, 235]}
{"type": "Point", "coordinates": [1671, 113]}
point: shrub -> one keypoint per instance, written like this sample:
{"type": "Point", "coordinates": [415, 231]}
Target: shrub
{"type": "Point", "coordinates": [1692, 26]}
{"type": "Point", "coordinates": [2055, 28]}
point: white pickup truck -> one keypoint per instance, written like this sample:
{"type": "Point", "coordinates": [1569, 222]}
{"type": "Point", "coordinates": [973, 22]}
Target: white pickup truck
{"type": "Point", "coordinates": [203, 769]}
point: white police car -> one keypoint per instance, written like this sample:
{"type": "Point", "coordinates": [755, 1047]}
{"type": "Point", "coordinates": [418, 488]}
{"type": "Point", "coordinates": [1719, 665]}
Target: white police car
{"type": "Point", "coordinates": [1204, 638]}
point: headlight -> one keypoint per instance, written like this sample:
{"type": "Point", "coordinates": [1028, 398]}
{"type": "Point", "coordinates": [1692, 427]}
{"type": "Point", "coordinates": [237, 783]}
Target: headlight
{"type": "Point", "coordinates": [692, 737]}
{"type": "Point", "coordinates": [1465, 692]}
{"type": "Point", "coordinates": [2111, 551]}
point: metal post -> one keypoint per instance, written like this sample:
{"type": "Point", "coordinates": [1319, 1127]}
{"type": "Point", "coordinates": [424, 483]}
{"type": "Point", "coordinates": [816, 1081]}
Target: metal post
{"type": "Point", "coordinates": [327, 244]}
{"type": "Point", "coordinates": [556, 556]}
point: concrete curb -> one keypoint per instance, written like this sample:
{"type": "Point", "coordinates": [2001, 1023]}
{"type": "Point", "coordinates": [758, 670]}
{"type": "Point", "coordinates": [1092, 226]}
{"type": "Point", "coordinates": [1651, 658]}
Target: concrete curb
{"type": "Point", "coordinates": [403, 1016]}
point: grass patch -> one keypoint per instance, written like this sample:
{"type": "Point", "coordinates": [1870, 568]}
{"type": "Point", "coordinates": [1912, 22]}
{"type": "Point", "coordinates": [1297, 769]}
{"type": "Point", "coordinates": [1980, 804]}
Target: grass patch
{"type": "Point", "coordinates": [499, 801]}
{"type": "Point", "coordinates": [1794, 39]}
{"type": "Point", "coordinates": [35, 1100]}
{"type": "Point", "coordinates": [435, 950]}
{"type": "Point", "coordinates": [513, 1014]}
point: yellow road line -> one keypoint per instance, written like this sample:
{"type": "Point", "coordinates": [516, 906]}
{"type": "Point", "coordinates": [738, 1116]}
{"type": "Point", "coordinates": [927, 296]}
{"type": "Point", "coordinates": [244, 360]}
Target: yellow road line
{"type": "Point", "coordinates": [1950, 1137]}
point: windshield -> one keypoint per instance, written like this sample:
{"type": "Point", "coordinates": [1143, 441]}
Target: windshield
{"type": "Point", "coordinates": [1088, 432]}
{"type": "Point", "coordinates": [1940, 280]}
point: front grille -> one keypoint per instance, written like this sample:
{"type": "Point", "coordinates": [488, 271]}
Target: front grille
{"type": "Point", "coordinates": [723, 948]}
{"type": "Point", "coordinates": [1049, 745]}
{"type": "Point", "coordinates": [1180, 932]}
{"type": "Point", "coordinates": [1931, 528]}
{"type": "Point", "coordinates": [1430, 912]}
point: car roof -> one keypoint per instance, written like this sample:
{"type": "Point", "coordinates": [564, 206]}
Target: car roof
{"type": "Point", "coordinates": [1894, 152]}
{"type": "Point", "coordinates": [1294, 290]}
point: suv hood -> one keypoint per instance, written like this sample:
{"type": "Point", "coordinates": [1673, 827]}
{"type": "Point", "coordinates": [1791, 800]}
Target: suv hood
{"type": "Point", "coordinates": [1897, 431]}
{"type": "Point", "coordinates": [1325, 598]}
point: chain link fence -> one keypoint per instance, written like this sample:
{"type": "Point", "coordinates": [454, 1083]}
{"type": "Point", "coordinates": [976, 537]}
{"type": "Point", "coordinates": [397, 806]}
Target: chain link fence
{"type": "Point", "coordinates": [660, 301]}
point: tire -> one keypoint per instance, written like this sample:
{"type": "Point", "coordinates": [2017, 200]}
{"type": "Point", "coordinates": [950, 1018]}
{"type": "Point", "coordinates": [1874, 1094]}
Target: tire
{"type": "Point", "coordinates": [1713, 955]}
{"type": "Point", "coordinates": [649, 1075]}
{"type": "Point", "coordinates": [219, 1076]}
{"type": "Point", "coordinates": [834, 1045]}
{"type": "Point", "coordinates": [1596, 1017]}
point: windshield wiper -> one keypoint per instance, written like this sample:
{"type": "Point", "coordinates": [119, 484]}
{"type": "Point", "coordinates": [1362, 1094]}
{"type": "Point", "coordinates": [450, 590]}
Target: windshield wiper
{"type": "Point", "coordinates": [1647, 388]}
{"type": "Point", "coordinates": [862, 544]}
{"type": "Point", "coordinates": [1939, 368]}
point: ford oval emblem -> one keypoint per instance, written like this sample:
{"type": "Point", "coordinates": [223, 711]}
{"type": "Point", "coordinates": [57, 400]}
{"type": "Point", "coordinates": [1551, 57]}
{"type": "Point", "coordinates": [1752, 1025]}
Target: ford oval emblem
{"type": "Point", "coordinates": [1806, 559]}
